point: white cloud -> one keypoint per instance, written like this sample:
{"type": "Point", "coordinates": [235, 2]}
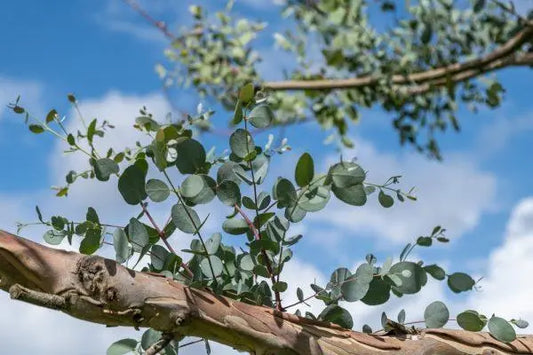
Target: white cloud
{"type": "Point", "coordinates": [453, 193]}
{"type": "Point", "coordinates": [264, 5]}
{"type": "Point", "coordinates": [501, 131]}
{"type": "Point", "coordinates": [507, 287]}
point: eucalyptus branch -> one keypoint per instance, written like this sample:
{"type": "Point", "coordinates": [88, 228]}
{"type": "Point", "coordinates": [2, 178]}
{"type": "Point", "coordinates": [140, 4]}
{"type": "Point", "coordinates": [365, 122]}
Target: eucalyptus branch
{"type": "Point", "coordinates": [324, 290]}
{"type": "Point", "coordinates": [277, 297]}
{"type": "Point", "coordinates": [163, 237]}
{"type": "Point", "coordinates": [197, 228]}
{"type": "Point", "coordinates": [74, 102]}
{"type": "Point", "coordinates": [268, 265]}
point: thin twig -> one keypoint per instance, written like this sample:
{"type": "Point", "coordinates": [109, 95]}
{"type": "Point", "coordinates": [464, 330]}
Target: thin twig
{"type": "Point", "coordinates": [196, 228]}
{"type": "Point", "coordinates": [160, 25]}
{"type": "Point", "coordinates": [257, 236]}
{"type": "Point", "coordinates": [163, 237]}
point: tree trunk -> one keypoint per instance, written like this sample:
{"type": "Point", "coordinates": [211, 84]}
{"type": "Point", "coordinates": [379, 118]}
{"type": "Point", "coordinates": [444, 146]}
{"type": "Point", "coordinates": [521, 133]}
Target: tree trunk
{"type": "Point", "coordinates": [101, 291]}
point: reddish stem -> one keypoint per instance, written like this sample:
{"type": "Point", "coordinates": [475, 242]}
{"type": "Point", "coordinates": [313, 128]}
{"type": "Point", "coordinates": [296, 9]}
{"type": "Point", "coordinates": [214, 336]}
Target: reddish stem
{"type": "Point", "coordinates": [158, 24]}
{"type": "Point", "coordinates": [257, 235]}
{"type": "Point", "coordinates": [163, 237]}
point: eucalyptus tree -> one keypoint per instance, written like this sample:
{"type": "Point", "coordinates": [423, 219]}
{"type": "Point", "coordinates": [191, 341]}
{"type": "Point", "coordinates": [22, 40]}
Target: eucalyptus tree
{"type": "Point", "coordinates": [229, 286]}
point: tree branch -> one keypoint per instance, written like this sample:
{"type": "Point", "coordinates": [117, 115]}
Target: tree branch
{"type": "Point", "coordinates": [160, 25]}
{"type": "Point", "coordinates": [501, 57]}
{"type": "Point", "coordinates": [101, 291]}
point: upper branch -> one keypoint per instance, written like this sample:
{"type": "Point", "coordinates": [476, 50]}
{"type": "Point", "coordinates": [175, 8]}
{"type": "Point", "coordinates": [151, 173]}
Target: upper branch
{"type": "Point", "coordinates": [503, 56]}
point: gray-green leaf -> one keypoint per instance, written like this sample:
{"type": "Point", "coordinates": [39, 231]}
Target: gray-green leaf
{"type": "Point", "coordinates": [131, 185]}
{"type": "Point", "coordinates": [157, 190]}
{"type": "Point", "coordinates": [185, 218]}
{"type": "Point", "coordinates": [261, 116]}
{"type": "Point", "coordinates": [305, 170]}
{"type": "Point", "coordinates": [436, 315]}
{"type": "Point", "coordinates": [501, 329]}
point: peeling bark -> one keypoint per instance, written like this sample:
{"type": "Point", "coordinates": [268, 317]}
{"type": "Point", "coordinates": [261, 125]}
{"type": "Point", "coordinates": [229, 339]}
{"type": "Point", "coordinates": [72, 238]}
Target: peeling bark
{"type": "Point", "coordinates": [101, 291]}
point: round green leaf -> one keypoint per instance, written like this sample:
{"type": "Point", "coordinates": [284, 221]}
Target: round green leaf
{"type": "Point", "coordinates": [356, 286]}
{"type": "Point", "coordinates": [91, 242]}
{"type": "Point", "coordinates": [241, 143]}
{"type": "Point", "coordinates": [471, 320]}
{"type": "Point", "coordinates": [228, 172]}
{"type": "Point", "coordinates": [185, 218]}
{"type": "Point", "coordinates": [105, 167]}
{"type": "Point", "coordinates": [315, 199]}
{"type": "Point", "coordinates": [520, 323]}
{"type": "Point", "coordinates": [54, 237]}
{"type": "Point", "coordinates": [92, 216]}
{"type": "Point", "coordinates": [284, 192]}
{"type": "Point", "coordinates": [280, 286]}
{"type": "Point", "coordinates": [501, 329]}
{"type": "Point", "coordinates": [36, 128]}
{"type": "Point", "coordinates": [261, 116]}
{"type": "Point", "coordinates": [299, 294]}
{"type": "Point", "coordinates": [246, 263]}
{"type": "Point", "coordinates": [121, 245]}
{"type": "Point", "coordinates": [158, 256]}
{"type": "Point", "coordinates": [246, 93]}
{"type": "Point", "coordinates": [122, 347]}
{"type": "Point", "coordinates": [305, 170]}
{"type": "Point", "coordinates": [213, 243]}
{"type": "Point", "coordinates": [157, 190]}
{"type": "Point", "coordinates": [237, 113]}
{"type": "Point", "coordinates": [378, 292]}
{"type": "Point", "coordinates": [338, 277]}
{"type": "Point", "coordinates": [58, 222]}
{"type": "Point", "coordinates": [191, 156]}
{"type": "Point", "coordinates": [354, 195]}
{"type": "Point", "coordinates": [436, 315]}
{"type": "Point", "coordinates": [131, 185]}
{"type": "Point", "coordinates": [346, 174]}
{"type": "Point", "coordinates": [401, 316]}
{"type": "Point", "coordinates": [228, 193]}
{"type": "Point", "coordinates": [149, 337]}
{"type": "Point", "coordinates": [216, 263]}
{"type": "Point", "coordinates": [460, 282]}
{"type": "Point", "coordinates": [337, 315]}
{"type": "Point", "coordinates": [294, 214]}
{"type": "Point", "coordinates": [235, 226]}
{"type": "Point", "coordinates": [198, 189]}
{"type": "Point", "coordinates": [52, 114]}
{"type": "Point", "coordinates": [435, 271]}
{"type": "Point", "coordinates": [412, 277]}
{"type": "Point", "coordinates": [260, 168]}
{"type": "Point", "coordinates": [385, 200]}
{"type": "Point", "coordinates": [138, 235]}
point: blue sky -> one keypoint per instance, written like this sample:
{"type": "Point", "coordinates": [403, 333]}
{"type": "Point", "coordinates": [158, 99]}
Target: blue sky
{"type": "Point", "coordinates": [105, 53]}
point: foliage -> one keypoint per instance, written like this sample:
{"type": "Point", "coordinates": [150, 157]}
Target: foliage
{"type": "Point", "coordinates": [245, 259]}
{"type": "Point", "coordinates": [249, 268]}
{"type": "Point", "coordinates": [396, 65]}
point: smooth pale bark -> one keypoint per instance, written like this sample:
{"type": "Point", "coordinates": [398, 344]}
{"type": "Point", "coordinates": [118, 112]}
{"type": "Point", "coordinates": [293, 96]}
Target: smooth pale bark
{"type": "Point", "coordinates": [507, 55]}
{"type": "Point", "coordinates": [101, 291]}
